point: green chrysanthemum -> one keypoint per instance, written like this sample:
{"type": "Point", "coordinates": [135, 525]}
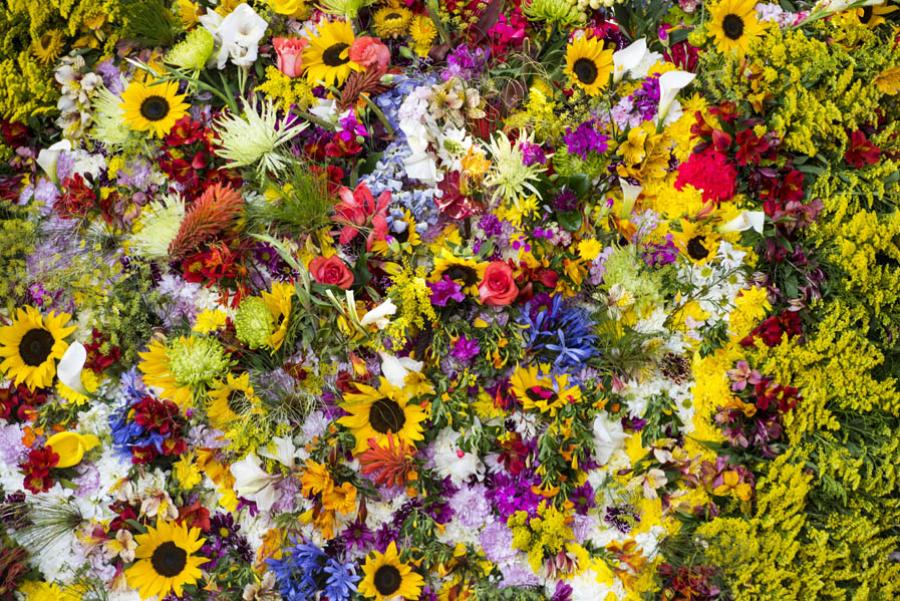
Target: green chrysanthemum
{"type": "Point", "coordinates": [196, 361]}
{"type": "Point", "coordinates": [193, 51]}
{"type": "Point", "coordinates": [561, 12]}
{"type": "Point", "coordinates": [254, 322]}
{"type": "Point", "coordinates": [158, 225]}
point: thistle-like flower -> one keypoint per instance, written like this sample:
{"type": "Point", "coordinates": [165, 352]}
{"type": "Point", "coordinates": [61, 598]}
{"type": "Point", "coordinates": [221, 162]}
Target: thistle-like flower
{"type": "Point", "coordinates": [510, 176]}
{"type": "Point", "coordinates": [255, 138]}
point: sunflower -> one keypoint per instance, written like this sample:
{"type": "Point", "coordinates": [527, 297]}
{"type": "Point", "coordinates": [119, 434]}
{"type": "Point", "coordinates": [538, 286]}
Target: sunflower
{"type": "Point", "coordinates": [698, 243]}
{"type": "Point", "coordinates": [31, 345]}
{"type": "Point", "coordinates": [387, 578]}
{"type": "Point", "coordinates": [166, 560]}
{"type": "Point", "coordinates": [873, 16]}
{"type": "Point", "coordinates": [327, 57]}
{"type": "Point", "coordinates": [377, 412]}
{"type": "Point", "coordinates": [153, 107]}
{"type": "Point", "coordinates": [392, 21]}
{"type": "Point", "coordinates": [49, 46]}
{"type": "Point", "coordinates": [230, 400]}
{"type": "Point", "coordinates": [588, 65]}
{"type": "Point", "coordinates": [734, 25]}
{"type": "Point", "coordinates": [279, 302]}
{"type": "Point", "coordinates": [468, 273]}
{"type": "Point", "coordinates": [537, 389]}
{"type": "Point", "coordinates": [156, 366]}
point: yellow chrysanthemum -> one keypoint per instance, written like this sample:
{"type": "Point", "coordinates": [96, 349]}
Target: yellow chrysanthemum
{"type": "Point", "coordinates": [327, 57]}
{"type": "Point", "coordinates": [153, 107]}
{"type": "Point", "coordinates": [733, 24]}
{"type": "Point", "coordinates": [385, 577]}
{"type": "Point", "coordinates": [155, 365]}
{"type": "Point", "coordinates": [49, 46]}
{"type": "Point", "coordinates": [392, 21]}
{"type": "Point", "coordinates": [376, 413]}
{"type": "Point", "coordinates": [423, 31]}
{"type": "Point", "coordinates": [588, 65]}
{"type": "Point", "coordinates": [537, 389]}
{"type": "Point", "coordinates": [166, 560]}
{"type": "Point", "coordinates": [279, 302]}
{"type": "Point", "coordinates": [31, 345]}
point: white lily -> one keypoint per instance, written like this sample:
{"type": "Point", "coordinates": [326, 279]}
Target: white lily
{"type": "Point", "coordinates": [670, 83]}
{"type": "Point", "coordinates": [252, 482]}
{"type": "Point", "coordinates": [395, 369]}
{"type": "Point", "coordinates": [48, 158]}
{"type": "Point", "coordinates": [70, 366]}
{"type": "Point", "coordinates": [380, 315]}
{"type": "Point", "coordinates": [630, 193]}
{"type": "Point", "coordinates": [628, 58]}
{"type": "Point", "coordinates": [754, 220]}
{"type": "Point", "coordinates": [284, 451]}
{"type": "Point", "coordinates": [238, 34]}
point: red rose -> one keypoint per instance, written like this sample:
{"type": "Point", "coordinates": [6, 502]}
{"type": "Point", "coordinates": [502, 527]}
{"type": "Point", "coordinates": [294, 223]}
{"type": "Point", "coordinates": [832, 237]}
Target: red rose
{"type": "Point", "coordinates": [497, 287]}
{"type": "Point", "coordinates": [331, 271]}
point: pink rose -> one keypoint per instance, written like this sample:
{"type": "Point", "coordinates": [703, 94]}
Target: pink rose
{"type": "Point", "coordinates": [290, 55]}
{"type": "Point", "coordinates": [370, 53]}
{"type": "Point", "coordinates": [331, 271]}
{"type": "Point", "coordinates": [498, 287]}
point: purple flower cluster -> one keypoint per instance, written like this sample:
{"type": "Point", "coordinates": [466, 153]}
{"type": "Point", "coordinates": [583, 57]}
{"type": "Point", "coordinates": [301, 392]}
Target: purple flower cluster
{"type": "Point", "coordinates": [585, 139]}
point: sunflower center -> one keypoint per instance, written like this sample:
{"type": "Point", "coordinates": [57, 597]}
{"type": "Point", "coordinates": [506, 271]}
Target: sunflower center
{"type": "Point", "coordinates": [169, 559]}
{"type": "Point", "coordinates": [387, 580]}
{"type": "Point", "coordinates": [393, 17]}
{"type": "Point", "coordinates": [332, 55]}
{"type": "Point", "coordinates": [462, 272]}
{"type": "Point", "coordinates": [36, 346]}
{"type": "Point", "coordinates": [386, 416]}
{"type": "Point", "coordinates": [539, 393]}
{"type": "Point", "coordinates": [866, 14]}
{"type": "Point", "coordinates": [154, 108]}
{"type": "Point", "coordinates": [586, 71]}
{"type": "Point", "coordinates": [696, 249]}
{"type": "Point", "coordinates": [733, 26]}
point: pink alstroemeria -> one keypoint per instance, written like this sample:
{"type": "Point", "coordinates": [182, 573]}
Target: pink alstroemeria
{"type": "Point", "coordinates": [359, 209]}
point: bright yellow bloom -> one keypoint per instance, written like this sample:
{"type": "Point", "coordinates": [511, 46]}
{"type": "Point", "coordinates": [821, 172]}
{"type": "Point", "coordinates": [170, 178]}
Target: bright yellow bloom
{"type": "Point", "coordinates": [387, 578]}
{"type": "Point", "coordinates": [153, 107]}
{"type": "Point", "coordinates": [32, 344]}
{"type": "Point", "coordinates": [166, 560]}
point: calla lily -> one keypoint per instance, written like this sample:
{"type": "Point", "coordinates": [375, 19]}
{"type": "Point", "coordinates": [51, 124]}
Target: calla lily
{"type": "Point", "coordinates": [609, 437]}
{"type": "Point", "coordinates": [71, 447]}
{"type": "Point", "coordinates": [48, 157]}
{"type": "Point", "coordinates": [283, 452]}
{"type": "Point", "coordinates": [70, 366]}
{"type": "Point", "coordinates": [670, 83]}
{"type": "Point", "coordinates": [630, 193]}
{"type": "Point", "coordinates": [380, 315]}
{"type": "Point", "coordinates": [628, 58]}
{"type": "Point", "coordinates": [252, 482]}
{"type": "Point", "coordinates": [395, 369]}
{"type": "Point", "coordinates": [746, 220]}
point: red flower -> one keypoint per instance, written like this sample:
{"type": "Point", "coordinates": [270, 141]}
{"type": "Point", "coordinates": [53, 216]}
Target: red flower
{"type": "Point", "coordinates": [751, 148]}
{"type": "Point", "coordinates": [711, 172]}
{"type": "Point", "coordinates": [498, 287]}
{"type": "Point", "coordinates": [37, 469]}
{"type": "Point", "coordinates": [452, 202]}
{"type": "Point", "coordinates": [77, 199]}
{"type": "Point", "coordinates": [772, 328]}
{"type": "Point", "coordinates": [359, 208]}
{"type": "Point", "coordinates": [861, 151]}
{"type": "Point", "coordinates": [331, 271]}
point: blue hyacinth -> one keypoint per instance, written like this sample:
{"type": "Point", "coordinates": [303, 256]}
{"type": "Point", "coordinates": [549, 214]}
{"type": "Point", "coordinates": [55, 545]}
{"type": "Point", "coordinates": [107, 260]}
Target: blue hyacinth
{"type": "Point", "coordinates": [562, 333]}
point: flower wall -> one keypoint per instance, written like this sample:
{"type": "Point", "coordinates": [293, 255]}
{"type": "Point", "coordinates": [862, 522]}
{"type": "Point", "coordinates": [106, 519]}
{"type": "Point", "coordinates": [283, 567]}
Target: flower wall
{"type": "Point", "coordinates": [558, 300]}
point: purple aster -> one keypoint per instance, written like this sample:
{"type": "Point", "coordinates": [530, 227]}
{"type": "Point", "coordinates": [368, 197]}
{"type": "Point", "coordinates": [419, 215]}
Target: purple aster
{"type": "Point", "coordinates": [444, 291]}
{"type": "Point", "coordinates": [532, 154]}
{"type": "Point", "coordinates": [646, 98]}
{"type": "Point", "coordinates": [491, 225]}
{"type": "Point", "coordinates": [511, 494]}
{"type": "Point", "coordinates": [585, 139]}
{"type": "Point", "coordinates": [465, 348]}
{"type": "Point", "coordinates": [357, 535]}
{"type": "Point", "coordinates": [583, 498]}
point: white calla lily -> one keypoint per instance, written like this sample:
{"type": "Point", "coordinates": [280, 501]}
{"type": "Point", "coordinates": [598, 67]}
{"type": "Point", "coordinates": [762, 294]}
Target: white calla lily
{"type": "Point", "coordinates": [670, 83]}
{"type": "Point", "coordinates": [70, 365]}
{"type": "Point", "coordinates": [628, 58]}
{"type": "Point", "coordinates": [630, 193]}
{"type": "Point", "coordinates": [747, 220]}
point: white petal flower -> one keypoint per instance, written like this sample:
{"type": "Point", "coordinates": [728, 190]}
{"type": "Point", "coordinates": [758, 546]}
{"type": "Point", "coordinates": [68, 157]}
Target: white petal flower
{"type": "Point", "coordinates": [670, 83]}
{"type": "Point", "coordinates": [628, 58]}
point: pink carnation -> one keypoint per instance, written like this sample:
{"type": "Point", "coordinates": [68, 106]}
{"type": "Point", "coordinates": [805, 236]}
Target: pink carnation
{"type": "Point", "coordinates": [370, 53]}
{"type": "Point", "coordinates": [708, 171]}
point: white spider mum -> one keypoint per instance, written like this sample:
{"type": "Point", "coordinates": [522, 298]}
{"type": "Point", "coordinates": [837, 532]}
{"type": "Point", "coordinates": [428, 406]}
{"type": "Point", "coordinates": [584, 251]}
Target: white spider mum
{"type": "Point", "coordinates": [255, 138]}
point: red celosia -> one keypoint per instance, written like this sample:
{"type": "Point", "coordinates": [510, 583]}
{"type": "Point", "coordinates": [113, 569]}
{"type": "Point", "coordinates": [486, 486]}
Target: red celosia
{"type": "Point", "coordinates": [711, 172]}
{"type": "Point", "coordinates": [861, 151]}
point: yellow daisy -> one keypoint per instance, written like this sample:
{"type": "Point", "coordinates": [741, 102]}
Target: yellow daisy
{"type": "Point", "coordinates": [387, 578]}
{"type": "Point", "coordinates": [392, 21]}
{"type": "Point", "coordinates": [537, 389]}
{"type": "Point", "coordinates": [733, 24]}
{"type": "Point", "coordinates": [327, 57]}
{"type": "Point", "coordinates": [153, 107]}
{"type": "Point", "coordinates": [32, 344]}
{"type": "Point", "coordinates": [166, 560]}
{"type": "Point", "coordinates": [155, 366]}
{"type": "Point", "coordinates": [376, 413]}
{"type": "Point", "coordinates": [588, 65]}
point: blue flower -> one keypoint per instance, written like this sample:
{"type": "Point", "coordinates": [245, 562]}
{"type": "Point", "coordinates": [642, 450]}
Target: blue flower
{"type": "Point", "coordinates": [341, 581]}
{"type": "Point", "coordinates": [561, 333]}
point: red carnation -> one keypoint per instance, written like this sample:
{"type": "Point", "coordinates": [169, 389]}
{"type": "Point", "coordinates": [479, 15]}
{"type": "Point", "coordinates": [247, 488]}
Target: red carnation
{"type": "Point", "coordinates": [708, 171]}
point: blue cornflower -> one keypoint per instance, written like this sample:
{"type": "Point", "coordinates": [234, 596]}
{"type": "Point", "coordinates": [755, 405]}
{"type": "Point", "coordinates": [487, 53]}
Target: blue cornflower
{"type": "Point", "coordinates": [560, 332]}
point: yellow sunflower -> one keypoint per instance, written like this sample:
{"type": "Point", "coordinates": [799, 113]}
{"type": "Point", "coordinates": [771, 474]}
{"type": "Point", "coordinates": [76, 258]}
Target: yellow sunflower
{"type": "Point", "coordinates": [156, 367]}
{"type": "Point", "coordinates": [377, 412]}
{"type": "Point", "coordinates": [464, 271]}
{"type": "Point", "coordinates": [327, 57]}
{"type": "Point", "coordinates": [230, 400]}
{"type": "Point", "coordinates": [166, 560]}
{"type": "Point", "coordinates": [32, 344]}
{"type": "Point", "coordinates": [49, 46]}
{"type": "Point", "coordinates": [697, 242]}
{"type": "Point", "coordinates": [153, 107]}
{"type": "Point", "coordinates": [733, 25]}
{"type": "Point", "coordinates": [392, 21]}
{"type": "Point", "coordinates": [588, 65]}
{"type": "Point", "coordinates": [279, 302]}
{"type": "Point", "coordinates": [387, 578]}
{"type": "Point", "coordinates": [873, 16]}
{"type": "Point", "coordinates": [537, 389]}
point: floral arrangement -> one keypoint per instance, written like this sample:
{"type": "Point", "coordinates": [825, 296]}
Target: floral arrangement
{"type": "Point", "coordinates": [567, 300]}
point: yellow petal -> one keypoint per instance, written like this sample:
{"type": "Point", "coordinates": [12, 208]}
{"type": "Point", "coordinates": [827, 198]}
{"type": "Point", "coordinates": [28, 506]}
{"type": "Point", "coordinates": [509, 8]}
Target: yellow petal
{"type": "Point", "coordinates": [70, 446]}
